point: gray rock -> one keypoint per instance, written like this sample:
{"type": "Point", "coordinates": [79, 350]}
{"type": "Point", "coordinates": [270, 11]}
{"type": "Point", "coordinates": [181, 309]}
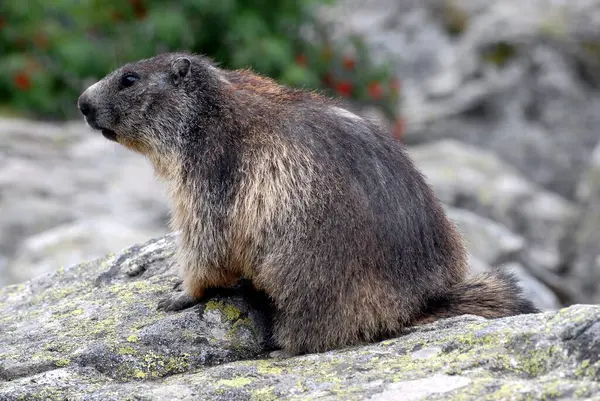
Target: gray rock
{"type": "Point", "coordinates": [520, 78]}
{"type": "Point", "coordinates": [56, 174]}
{"type": "Point", "coordinates": [487, 240]}
{"type": "Point", "coordinates": [91, 332]}
{"type": "Point", "coordinates": [101, 317]}
{"type": "Point", "coordinates": [491, 244]}
{"type": "Point", "coordinates": [586, 252]}
{"type": "Point", "coordinates": [534, 289]}
{"type": "Point", "coordinates": [538, 292]}
{"type": "Point", "coordinates": [70, 244]}
{"type": "Point", "coordinates": [472, 178]}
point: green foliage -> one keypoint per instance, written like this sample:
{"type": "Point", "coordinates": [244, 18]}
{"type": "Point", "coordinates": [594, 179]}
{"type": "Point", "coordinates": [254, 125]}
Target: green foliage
{"type": "Point", "coordinates": [51, 50]}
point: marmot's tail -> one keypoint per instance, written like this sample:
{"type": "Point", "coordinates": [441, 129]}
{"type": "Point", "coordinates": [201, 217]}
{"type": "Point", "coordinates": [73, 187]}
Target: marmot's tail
{"type": "Point", "coordinates": [493, 294]}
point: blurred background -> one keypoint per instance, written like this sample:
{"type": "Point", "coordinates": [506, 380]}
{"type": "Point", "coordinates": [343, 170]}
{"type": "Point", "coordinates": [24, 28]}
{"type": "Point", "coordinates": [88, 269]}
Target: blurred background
{"type": "Point", "coordinates": [497, 101]}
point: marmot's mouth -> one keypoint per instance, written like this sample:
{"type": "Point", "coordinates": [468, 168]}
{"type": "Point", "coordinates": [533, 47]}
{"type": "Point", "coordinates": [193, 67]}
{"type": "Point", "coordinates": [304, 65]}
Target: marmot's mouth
{"type": "Point", "coordinates": [109, 134]}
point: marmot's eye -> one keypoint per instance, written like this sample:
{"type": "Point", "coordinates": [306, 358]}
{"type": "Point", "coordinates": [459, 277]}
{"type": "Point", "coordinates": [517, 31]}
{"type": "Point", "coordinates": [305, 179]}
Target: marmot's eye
{"type": "Point", "coordinates": [128, 80]}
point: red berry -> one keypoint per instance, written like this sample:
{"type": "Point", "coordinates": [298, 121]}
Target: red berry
{"type": "Point", "coordinates": [301, 60]}
{"type": "Point", "coordinates": [349, 63]}
{"type": "Point", "coordinates": [22, 81]}
{"type": "Point", "coordinates": [399, 128]}
{"type": "Point", "coordinates": [139, 9]}
{"type": "Point", "coordinates": [375, 90]}
{"type": "Point", "coordinates": [344, 88]}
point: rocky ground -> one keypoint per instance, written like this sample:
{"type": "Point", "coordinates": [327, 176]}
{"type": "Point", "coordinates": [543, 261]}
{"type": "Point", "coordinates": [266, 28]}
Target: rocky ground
{"type": "Point", "coordinates": [92, 332]}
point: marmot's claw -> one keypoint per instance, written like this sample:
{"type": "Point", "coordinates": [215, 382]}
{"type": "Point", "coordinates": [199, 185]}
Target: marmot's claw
{"type": "Point", "coordinates": [177, 302]}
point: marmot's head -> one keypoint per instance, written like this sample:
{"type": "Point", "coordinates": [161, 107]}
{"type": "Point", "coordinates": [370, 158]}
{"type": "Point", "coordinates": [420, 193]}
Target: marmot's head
{"type": "Point", "coordinates": [144, 104]}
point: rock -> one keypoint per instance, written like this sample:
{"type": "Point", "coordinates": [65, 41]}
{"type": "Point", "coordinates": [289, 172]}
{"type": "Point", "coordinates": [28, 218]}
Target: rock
{"type": "Point", "coordinates": [472, 178]}
{"type": "Point", "coordinates": [534, 289]}
{"type": "Point", "coordinates": [586, 248]}
{"type": "Point", "coordinates": [491, 244]}
{"type": "Point", "coordinates": [91, 331]}
{"type": "Point", "coordinates": [100, 318]}
{"type": "Point", "coordinates": [70, 244]}
{"type": "Point", "coordinates": [519, 78]}
{"type": "Point", "coordinates": [489, 241]}
{"type": "Point", "coordinates": [56, 174]}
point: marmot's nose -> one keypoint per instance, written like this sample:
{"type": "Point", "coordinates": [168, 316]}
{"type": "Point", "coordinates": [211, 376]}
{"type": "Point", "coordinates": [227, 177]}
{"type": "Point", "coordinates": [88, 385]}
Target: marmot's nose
{"type": "Point", "coordinates": [84, 106]}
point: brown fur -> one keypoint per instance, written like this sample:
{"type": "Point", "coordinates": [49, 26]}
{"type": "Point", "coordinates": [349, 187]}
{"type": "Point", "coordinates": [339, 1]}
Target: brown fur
{"type": "Point", "coordinates": [320, 209]}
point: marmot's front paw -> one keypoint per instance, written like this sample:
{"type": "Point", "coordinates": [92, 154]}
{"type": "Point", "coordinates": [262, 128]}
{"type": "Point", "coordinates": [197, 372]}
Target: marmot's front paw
{"type": "Point", "coordinates": [177, 302]}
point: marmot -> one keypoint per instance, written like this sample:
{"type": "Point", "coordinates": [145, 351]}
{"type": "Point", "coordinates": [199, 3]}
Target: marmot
{"type": "Point", "coordinates": [316, 206]}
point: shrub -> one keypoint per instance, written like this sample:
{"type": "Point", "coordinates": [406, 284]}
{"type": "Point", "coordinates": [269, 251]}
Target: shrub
{"type": "Point", "coordinates": [53, 50]}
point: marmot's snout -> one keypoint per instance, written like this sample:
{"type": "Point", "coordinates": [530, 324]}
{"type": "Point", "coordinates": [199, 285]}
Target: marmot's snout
{"type": "Point", "coordinates": [89, 110]}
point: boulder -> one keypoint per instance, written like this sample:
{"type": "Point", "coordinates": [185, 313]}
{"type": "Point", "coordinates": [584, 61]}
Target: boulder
{"type": "Point", "coordinates": [92, 332]}
{"type": "Point", "coordinates": [475, 179]}
{"type": "Point", "coordinates": [585, 250]}
{"type": "Point", "coordinates": [489, 241]}
{"type": "Point", "coordinates": [102, 315]}
{"type": "Point", "coordinates": [519, 78]}
{"type": "Point", "coordinates": [491, 244]}
{"type": "Point", "coordinates": [69, 244]}
{"type": "Point", "coordinates": [54, 175]}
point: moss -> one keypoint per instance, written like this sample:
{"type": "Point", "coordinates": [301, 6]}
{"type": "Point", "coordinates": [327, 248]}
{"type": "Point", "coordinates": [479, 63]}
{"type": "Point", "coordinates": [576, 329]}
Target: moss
{"type": "Point", "coordinates": [126, 351]}
{"type": "Point", "coordinates": [264, 394]}
{"type": "Point", "coordinates": [55, 294]}
{"type": "Point", "coordinates": [237, 332]}
{"type": "Point", "coordinates": [105, 327]}
{"type": "Point", "coordinates": [455, 18]}
{"type": "Point", "coordinates": [587, 369]}
{"type": "Point", "coordinates": [554, 25]}
{"type": "Point", "coordinates": [133, 338]}
{"type": "Point", "coordinates": [507, 391]}
{"type": "Point", "coordinates": [235, 382]}
{"type": "Point", "coordinates": [265, 367]}
{"type": "Point", "coordinates": [229, 311]}
{"type": "Point", "coordinates": [139, 365]}
{"type": "Point", "coordinates": [62, 362]}
{"type": "Point", "coordinates": [499, 54]}
{"type": "Point", "coordinates": [534, 363]}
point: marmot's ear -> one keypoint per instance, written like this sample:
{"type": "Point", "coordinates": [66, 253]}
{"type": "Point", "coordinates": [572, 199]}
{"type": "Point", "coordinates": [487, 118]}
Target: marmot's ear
{"type": "Point", "coordinates": [181, 68]}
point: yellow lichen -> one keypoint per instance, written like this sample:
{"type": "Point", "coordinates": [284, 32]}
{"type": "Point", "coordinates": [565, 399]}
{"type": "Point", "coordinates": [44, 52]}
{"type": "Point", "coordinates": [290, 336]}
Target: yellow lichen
{"type": "Point", "coordinates": [236, 382]}
{"type": "Point", "coordinates": [264, 394]}
{"type": "Point", "coordinates": [265, 367]}
{"type": "Point", "coordinates": [62, 362]}
{"type": "Point", "coordinates": [229, 311]}
{"type": "Point", "coordinates": [133, 338]}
